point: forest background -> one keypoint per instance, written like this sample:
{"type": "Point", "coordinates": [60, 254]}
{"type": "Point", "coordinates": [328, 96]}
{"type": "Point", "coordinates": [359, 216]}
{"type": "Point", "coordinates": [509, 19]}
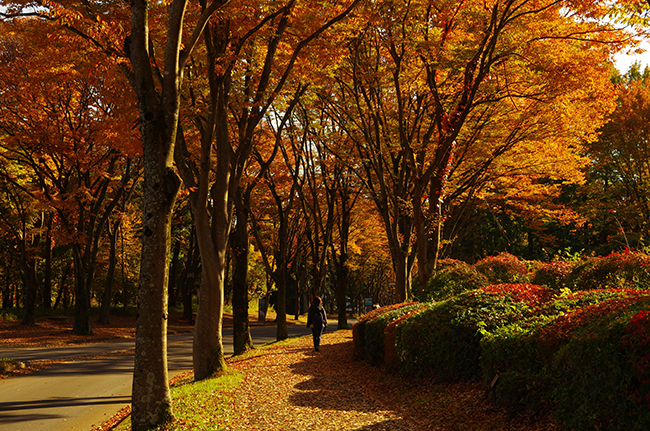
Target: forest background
{"type": "Point", "coordinates": [234, 151]}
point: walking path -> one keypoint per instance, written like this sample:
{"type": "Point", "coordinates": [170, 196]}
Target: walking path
{"type": "Point", "coordinates": [296, 388]}
{"type": "Point", "coordinates": [292, 387]}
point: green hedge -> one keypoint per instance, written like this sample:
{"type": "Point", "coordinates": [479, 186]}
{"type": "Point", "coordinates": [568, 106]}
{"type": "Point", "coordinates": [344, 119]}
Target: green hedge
{"type": "Point", "coordinates": [600, 377]}
{"type": "Point", "coordinates": [359, 330]}
{"type": "Point", "coordinates": [584, 355]}
{"type": "Point", "coordinates": [374, 344]}
{"type": "Point", "coordinates": [627, 270]}
{"type": "Point", "coordinates": [521, 352]}
{"type": "Point", "coordinates": [553, 274]}
{"type": "Point", "coordinates": [525, 354]}
{"type": "Point", "coordinates": [454, 277]}
{"type": "Point", "coordinates": [443, 341]}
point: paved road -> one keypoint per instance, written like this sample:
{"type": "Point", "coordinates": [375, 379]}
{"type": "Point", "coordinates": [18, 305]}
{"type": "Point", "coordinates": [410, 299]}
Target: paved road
{"type": "Point", "coordinates": [76, 395]}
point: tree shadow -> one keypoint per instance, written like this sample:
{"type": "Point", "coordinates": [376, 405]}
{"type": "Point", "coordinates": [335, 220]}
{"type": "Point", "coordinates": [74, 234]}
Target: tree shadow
{"type": "Point", "coordinates": [338, 381]}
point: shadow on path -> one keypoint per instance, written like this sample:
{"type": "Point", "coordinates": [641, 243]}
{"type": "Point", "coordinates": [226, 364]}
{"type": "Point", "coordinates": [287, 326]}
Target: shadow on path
{"type": "Point", "coordinates": [337, 381]}
{"type": "Point", "coordinates": [10, 412]}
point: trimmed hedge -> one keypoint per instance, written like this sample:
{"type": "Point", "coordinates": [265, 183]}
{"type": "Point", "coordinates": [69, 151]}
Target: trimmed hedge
{"type": "Point", "coordinates": [600, 377]}
{"type": "Point", "coordinates": [374, 342]}
{"type": "Point", "coordinates": [443, 341]}
{"type": "Point", "coordinates": [503, 268]}
{"type": "Point", "coordinates": [368, 319]}
{"type": "Point", "coordinates": [583, 355]}
{"type": "Point", "coordinates": [531, 359]}
{"type": "Point", "coordinates": [553, 274]}
{"type": "Point", "coordinates": [627, 270]}
{"type": "Point", "coordinates": [521, 352]}
{"type": "Point", "coordinates": [453, 278]}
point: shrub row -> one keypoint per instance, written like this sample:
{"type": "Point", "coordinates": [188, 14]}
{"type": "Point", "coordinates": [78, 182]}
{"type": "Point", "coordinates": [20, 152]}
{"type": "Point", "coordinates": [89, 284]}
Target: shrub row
{"type": "Point", "coordinates": [626, 270]}
{"type": "Point", "coordinates": [585, 355]}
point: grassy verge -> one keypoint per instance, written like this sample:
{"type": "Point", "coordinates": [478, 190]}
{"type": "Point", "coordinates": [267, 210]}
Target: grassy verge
{"type": "Point", "coordinates": [199, 405]}
{"type": "Point", "coordinates": [203, 405]}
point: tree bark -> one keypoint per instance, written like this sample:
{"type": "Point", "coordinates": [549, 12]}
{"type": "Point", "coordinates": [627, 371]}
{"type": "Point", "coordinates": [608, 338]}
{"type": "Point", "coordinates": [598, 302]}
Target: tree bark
{"type": "Point", "coordinates": [242, 340]}
{"type": "Point", "coordinates": [107, 296]}
{"type": "Point", "coordinates": [172, 287]}
{"type": "Point", "coordinates": [47, 282]}
{"type": "Point", "coordinates": [151, 400]}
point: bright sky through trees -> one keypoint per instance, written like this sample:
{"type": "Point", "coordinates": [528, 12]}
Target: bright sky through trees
{"type": "Point", "coordinates": [625, 60]}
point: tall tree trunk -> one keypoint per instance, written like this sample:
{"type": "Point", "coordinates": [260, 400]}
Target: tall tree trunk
{"type": "Point", "coordinates": [212, 236]}
{"type": "Point", "coordinates": [402, 276]}
{"type": "Point", "coordinates": [151, 400]}
{"type": "Point", "coordinates": [280, 279]}
{"type": "Point", "coordinates": [240, 245]}
{"type": "Point", "coordinates": [342, 278]}
{"type": "Point", "coordinates": [62, 286]}
{"type": "Point", "coordinates": [172, 287]}
{"type": "Point", "coordinates": [208, 356]}
{"type": "Point", "coordinates": [107, 296]}
{"type": "Point", "coordinates": [81, 324]}
{"type": "Point", "coordinates": [28, 265]}
{"type": "Point", "coordinates": [188, 277]}
{"type": "Point", "coordinates": [47, 282]}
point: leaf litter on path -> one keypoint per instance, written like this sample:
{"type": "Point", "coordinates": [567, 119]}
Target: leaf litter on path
{"type": "Point", "coordinates": [292, 387]}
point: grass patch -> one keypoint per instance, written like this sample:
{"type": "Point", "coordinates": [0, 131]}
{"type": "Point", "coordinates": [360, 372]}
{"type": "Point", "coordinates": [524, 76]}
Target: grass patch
{"type": "Point", "coordinates": [199, 405]}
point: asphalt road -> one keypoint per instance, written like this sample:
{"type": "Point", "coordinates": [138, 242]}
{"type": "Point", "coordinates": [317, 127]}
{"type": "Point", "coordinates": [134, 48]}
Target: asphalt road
{"type": "Point", "coordinates": [77, 395]}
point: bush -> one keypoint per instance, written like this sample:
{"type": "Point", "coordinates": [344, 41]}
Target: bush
{"type": "Point", "coordinates": [598, 384]}
{"type": "Point", "coordinates": [503, 268]}
{"type": "Point", "coordinates": [359, 328]}
{"type": "Point", "coordinates": [627, 270]}
{"type": "Point", "coordinates": [374, 332]}
{"type": "Point", "coordinates": [391, 358]}
{"type": "Point", "coordinates": [454, 277]}
{"type": "Point", "coordinates": [443, 341]}
{"type": "Point", "coordinates": [522, 353]}
{"type": "Point", "coordinates": [554, 274]}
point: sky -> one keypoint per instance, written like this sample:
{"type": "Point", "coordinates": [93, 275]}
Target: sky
{"type": "Point", "coordinates": [623, 61]}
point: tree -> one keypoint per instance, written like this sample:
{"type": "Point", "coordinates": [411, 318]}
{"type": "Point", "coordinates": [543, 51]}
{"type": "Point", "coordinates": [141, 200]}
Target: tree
{"type": "Point", "coordinates": [64, 127]}
{"type": "Point", "coordinates": [251, 52]}
{"type": "Point", "coordinates": [156, 82]}
{"type": "Point", "coordinates": [425, 78]}
{"type": "Point", "coordinates": [618, 183]}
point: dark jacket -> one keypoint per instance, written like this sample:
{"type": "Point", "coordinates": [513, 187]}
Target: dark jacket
{"type": "Point", "coordinates": [313, 312]}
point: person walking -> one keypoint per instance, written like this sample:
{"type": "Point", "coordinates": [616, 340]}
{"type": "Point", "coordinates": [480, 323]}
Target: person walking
{"type": "Point", "coordinates": [317, 320]}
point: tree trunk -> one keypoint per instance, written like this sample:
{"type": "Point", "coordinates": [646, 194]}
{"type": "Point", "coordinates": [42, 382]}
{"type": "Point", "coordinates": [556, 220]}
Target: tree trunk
{"type": "Point", "coordinates": [30, 284]}
{"type": "Point", "coordinates": [242, 340]}
{"type": "Point", "coordinates": [151, 400]}
{"type": "Point", "coordinates": [81, 324]}
{"type": "Point", "coordinates": [172, 288]}
{"type": "Point", "coordinates": [107, 296]}
{"type": "Point", "coordinates": [47, 282]}
{"type": "Point", "coordinates": [341, 294]}
{"type": "Point", "coordinates": [280, 279]}
{"type": "Point", "coordinates": [402, 278]}
{"type": "Point", "coordinates": [208, 356]}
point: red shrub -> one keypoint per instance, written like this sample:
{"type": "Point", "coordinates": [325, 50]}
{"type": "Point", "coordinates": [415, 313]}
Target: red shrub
{"type": "Point", "coordinates": [531, 294]}
{"type": "Point", "coordinates": [503, 268]}
{"type": "Point", "coordinates": [564, 326]}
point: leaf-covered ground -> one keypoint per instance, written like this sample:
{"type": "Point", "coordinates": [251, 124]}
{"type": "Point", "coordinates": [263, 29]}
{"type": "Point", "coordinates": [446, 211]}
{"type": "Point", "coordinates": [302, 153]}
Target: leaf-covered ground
{"type": "Point", "coordinates": [292, 387]}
